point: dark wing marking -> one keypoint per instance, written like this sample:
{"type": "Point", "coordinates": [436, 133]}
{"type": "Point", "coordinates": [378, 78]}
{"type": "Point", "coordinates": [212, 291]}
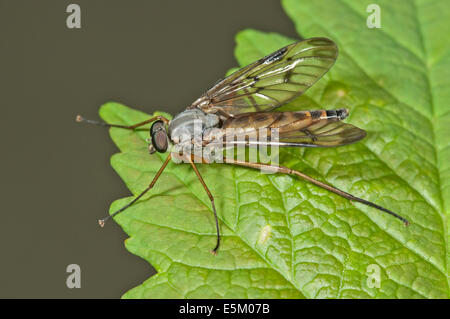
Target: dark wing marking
{"type": "Point", "coordinates": [271, 81]}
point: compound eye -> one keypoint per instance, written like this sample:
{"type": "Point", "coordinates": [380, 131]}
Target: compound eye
{"type": "Point", "coordinates": [160, 141]}
{"type": "Point", "coordinates": [159, 136]}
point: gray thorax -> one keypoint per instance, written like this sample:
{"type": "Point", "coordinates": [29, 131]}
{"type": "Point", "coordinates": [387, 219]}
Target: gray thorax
{"type": "Point", "coordinates": [191, 124]}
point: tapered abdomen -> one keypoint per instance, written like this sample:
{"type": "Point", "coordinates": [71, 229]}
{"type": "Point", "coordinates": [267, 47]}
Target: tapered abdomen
{"type": "Point", "coordinates": [286, 121]}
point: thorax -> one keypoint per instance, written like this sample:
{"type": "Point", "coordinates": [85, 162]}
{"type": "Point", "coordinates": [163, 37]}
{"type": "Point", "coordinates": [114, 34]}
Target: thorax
{"type": "Point", "coordinates": [191, 124]}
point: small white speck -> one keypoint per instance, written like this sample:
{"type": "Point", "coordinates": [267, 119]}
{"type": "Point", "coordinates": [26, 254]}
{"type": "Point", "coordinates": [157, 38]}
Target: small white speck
{"type": "Point", "coordinates": [341, 93]}
{"type": "Point", "coordinates": [265, 234]}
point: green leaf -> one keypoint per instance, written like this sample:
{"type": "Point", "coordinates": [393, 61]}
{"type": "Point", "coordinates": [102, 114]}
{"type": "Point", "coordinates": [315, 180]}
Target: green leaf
{"type": "Point", "coordinates": [283, 237]}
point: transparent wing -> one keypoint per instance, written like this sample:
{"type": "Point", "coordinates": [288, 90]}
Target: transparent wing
{"type": "Point", "coordinates": [319, 128]}
{"type": "Point", "coordinates": [271, 81]}
{"type": "Point", "coordinates": [330, 135]}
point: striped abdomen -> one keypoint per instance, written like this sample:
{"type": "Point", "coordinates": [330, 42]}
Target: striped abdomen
{"type": "Point", "coordinates": [286, 121]}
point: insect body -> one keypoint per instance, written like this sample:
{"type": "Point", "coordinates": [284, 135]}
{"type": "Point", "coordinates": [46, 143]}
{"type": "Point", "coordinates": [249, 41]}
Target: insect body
{"type": "Point", "coordinates": [246, 100]}
{"type": "Point", "coordinates": [183, 125]}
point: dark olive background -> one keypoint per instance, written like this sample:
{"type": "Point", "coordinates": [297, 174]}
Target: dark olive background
{"type": "Point", "coordinates": [56, 180]}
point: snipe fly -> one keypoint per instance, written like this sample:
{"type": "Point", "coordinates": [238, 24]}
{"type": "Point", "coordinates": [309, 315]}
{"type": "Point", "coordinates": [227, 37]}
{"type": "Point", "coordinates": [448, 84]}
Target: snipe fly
{"type": "Point", "coordinates": [246, 100]}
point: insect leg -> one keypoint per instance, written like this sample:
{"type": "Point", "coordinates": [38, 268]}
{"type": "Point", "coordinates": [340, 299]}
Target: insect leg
{"type": "Point", "coordinates": [79, 118]}
{"type": "Point", "coordinates": [158, 174]}
{"type": "Point", "coordinates": [335, 190]}
{"type": "Point", "coordinates": [214, 251]}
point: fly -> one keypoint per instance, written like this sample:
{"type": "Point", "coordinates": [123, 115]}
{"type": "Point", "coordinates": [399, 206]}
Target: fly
{"type": "Point", "coordinates": [246, 100]}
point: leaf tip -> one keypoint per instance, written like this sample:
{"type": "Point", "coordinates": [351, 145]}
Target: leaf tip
{"type": "Point", "coordinates": [245, 32]}
{"type": "Point", "coordinates": [107, 108]}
